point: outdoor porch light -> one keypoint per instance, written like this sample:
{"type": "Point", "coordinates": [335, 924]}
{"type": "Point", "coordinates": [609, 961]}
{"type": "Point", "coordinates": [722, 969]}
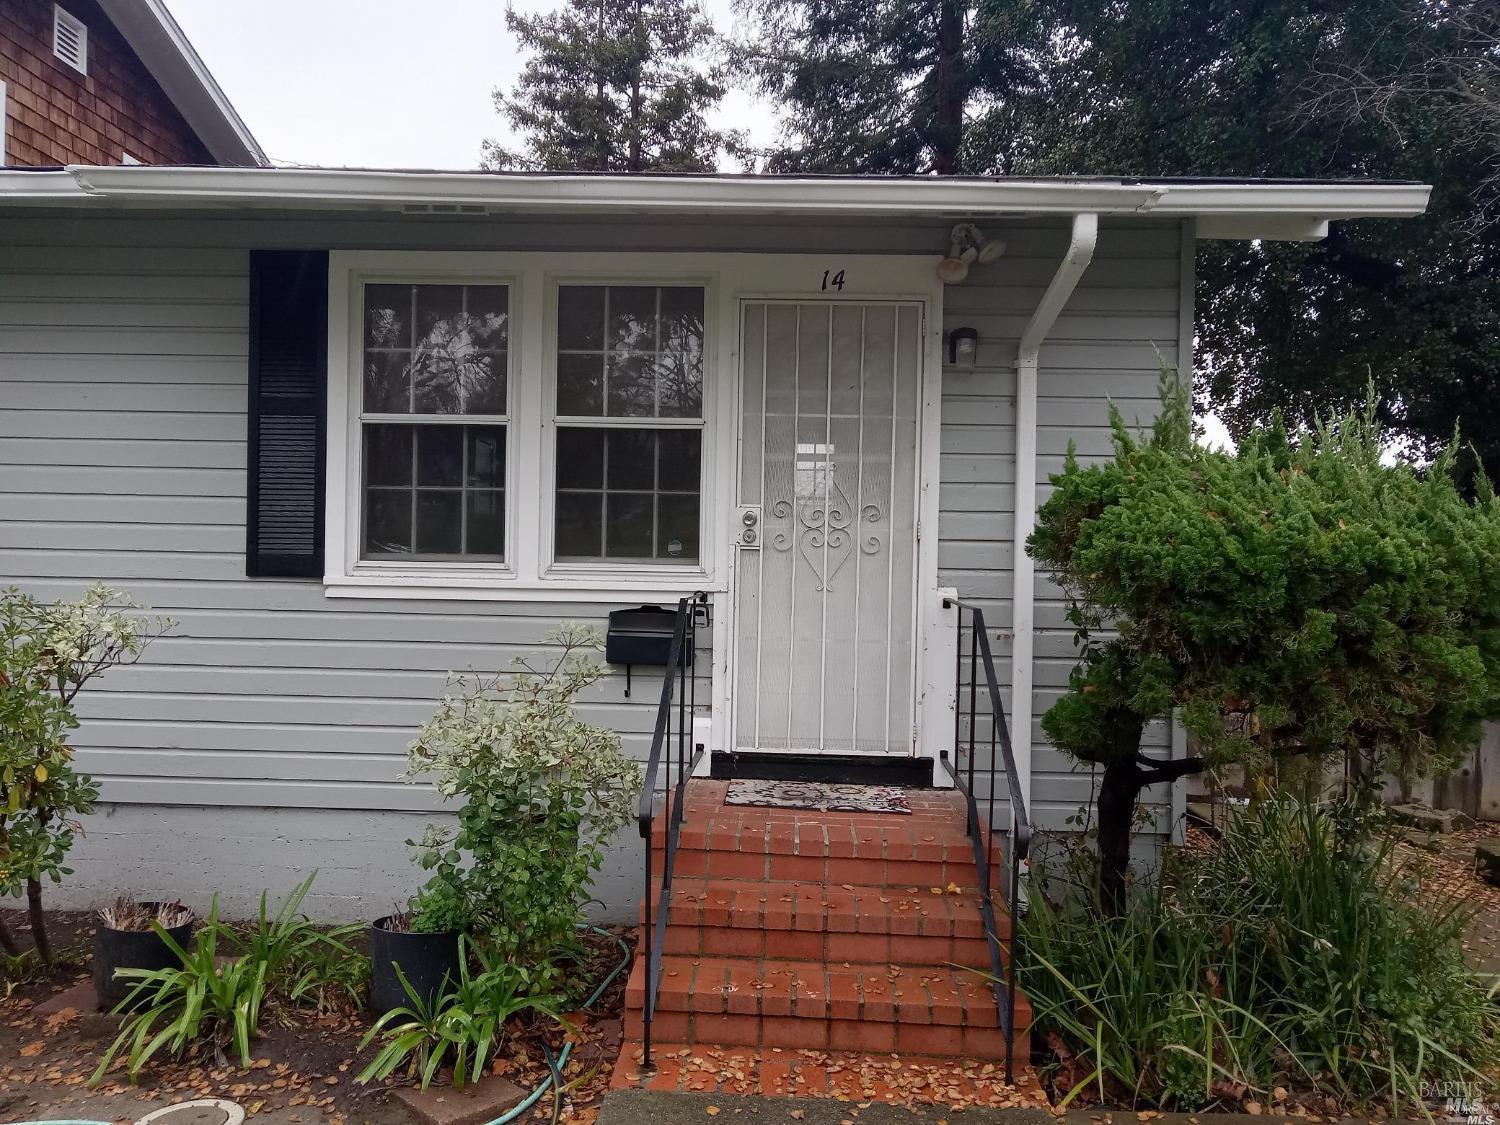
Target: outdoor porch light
{"type": "Point", "coordinates": [963, 347]}
{"type": "Point", "coordinates": [968, 245]}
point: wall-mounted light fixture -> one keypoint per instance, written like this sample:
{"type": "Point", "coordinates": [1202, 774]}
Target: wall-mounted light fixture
{"type": "Point", "coordinates": [968, 245]}
{"type": "Point", "coordinates": [963, 347]}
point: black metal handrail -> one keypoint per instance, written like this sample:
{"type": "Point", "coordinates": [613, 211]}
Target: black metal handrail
{"type": "Point", "coordinates": [678, 687]}
{"type": "Point", "coordinates": [962, 766]}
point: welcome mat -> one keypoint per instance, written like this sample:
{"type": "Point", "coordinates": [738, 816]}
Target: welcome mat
{"type": "Point", "coordinates": [818, 796]}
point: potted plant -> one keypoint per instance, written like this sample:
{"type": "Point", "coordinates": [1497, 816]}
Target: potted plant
{"type": "Point", "coordinates": [541, 791]}
{"type": "Point", "coordinates": [422, 944]}
{"type": "Point", "coordinates": [124, 938]}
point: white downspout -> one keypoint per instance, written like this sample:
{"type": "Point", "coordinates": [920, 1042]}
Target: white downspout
{"type": "Point", "coordinates": [1023, 594]}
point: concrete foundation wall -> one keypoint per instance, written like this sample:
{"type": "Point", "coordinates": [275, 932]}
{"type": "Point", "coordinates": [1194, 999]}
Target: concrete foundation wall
{"type": "Point", "coordinates": [364, 866]}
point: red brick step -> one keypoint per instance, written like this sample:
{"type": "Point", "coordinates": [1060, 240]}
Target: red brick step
{"type": "Point", "coordinates": [815, 990]}
{"type": "Point", "coordinates": [843, 923]}
{"type": "Point", "coordinates": [818, 931]}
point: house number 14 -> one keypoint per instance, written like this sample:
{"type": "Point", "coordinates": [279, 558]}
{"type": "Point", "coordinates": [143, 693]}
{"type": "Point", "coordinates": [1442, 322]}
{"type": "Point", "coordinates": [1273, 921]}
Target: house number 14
{"type": "Point", "coordinates": [832, 280]}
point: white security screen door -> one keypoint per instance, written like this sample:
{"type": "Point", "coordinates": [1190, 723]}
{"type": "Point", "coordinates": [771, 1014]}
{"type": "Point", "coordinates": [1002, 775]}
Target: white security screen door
{"type": "Point", "coordinates": [826, 564]}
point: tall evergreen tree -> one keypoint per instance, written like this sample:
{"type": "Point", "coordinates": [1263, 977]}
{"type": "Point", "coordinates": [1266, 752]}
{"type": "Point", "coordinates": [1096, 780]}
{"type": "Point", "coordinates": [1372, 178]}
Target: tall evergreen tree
{"type": "Point", "coordinates": [615, 87]}
{"type": "Point", "coordinates": [880, 86]}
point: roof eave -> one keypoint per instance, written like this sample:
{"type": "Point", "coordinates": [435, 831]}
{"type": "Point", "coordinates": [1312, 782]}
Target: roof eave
{"type": "Point", "coordinates": [162, 46]}
{"type": "Point", "coordinates": [1248, 210]}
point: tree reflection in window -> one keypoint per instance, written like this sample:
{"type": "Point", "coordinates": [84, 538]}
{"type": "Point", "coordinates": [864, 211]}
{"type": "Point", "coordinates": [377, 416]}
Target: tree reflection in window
{"type": "Point", "coordinates": [630, 351]}
{"type": "Point", "coordinates": [436, 349]}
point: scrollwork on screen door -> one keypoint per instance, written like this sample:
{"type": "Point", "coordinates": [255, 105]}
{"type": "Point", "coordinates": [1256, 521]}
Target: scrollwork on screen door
{"type": "Point", "coordinates": [820, 521]}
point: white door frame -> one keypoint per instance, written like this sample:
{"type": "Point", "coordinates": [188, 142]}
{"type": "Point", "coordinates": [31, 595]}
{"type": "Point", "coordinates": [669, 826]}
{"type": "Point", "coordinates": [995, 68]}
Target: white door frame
{"type": "Point", "coordinates": [866, 278]}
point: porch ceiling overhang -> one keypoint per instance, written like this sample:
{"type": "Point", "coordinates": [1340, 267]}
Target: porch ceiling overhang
{"type": "Point", "coordinates": [1240, 209]}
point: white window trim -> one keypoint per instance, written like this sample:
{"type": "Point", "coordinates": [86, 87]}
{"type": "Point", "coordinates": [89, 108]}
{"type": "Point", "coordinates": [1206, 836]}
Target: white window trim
{"type": "Point", "coordinates": [349, 489]}
{"type": "Point", "coordinates": [528, 574]}
{"type": "Point", "coordinates": [603, 572]}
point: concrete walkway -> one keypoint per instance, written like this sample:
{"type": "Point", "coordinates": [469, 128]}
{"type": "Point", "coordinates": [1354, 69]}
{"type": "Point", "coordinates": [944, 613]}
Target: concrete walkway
{"type": "Point", "coordinates": [650, 1107]}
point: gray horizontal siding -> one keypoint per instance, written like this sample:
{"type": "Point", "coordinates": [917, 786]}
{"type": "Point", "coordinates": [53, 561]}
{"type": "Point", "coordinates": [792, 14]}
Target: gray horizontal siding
{"type": "Point", "coordinates": [1119, 325]}
{"type": "Point", "coordinates": [122, 455]}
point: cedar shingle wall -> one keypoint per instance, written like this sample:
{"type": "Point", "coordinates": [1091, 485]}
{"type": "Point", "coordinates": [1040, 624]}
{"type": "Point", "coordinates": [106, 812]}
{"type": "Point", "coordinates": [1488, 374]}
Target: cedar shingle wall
{"type": "Point", "coordinates": [54, 115]}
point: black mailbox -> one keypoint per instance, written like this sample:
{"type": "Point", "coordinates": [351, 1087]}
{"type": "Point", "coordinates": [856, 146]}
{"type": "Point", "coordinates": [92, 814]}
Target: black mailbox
{"type": "Point", "coordinates": [643, 636]}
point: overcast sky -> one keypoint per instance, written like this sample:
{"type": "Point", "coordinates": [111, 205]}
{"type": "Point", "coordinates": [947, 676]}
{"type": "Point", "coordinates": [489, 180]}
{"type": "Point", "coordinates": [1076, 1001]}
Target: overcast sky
{"type": "Point", "coordinates": [378, 83]}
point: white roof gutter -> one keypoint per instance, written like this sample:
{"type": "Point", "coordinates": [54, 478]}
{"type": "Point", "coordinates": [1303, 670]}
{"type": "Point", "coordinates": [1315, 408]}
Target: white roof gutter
{"type": "Point", "coordinates": [1245, 210]}
{"type": "Point", "coordinates": [318, 187]}
{"type": "Point", "coordinates": [1079, 254]}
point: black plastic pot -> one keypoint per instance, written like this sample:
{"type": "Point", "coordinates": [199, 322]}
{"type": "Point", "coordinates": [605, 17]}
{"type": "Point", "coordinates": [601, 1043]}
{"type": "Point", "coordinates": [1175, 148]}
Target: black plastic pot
{"type": "Point", "coordinates": [132, 949]}
{"type": "Point", "coordinates": [428, 961]}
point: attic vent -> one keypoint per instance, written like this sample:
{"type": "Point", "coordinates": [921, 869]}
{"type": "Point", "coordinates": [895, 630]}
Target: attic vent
{"type": "Point", "coordinates": [70, 39]}
{"type": "Point", "coordinates": [444, 209]}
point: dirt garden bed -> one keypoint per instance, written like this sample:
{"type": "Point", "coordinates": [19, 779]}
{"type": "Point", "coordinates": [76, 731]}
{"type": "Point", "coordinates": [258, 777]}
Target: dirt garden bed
{"type": "Point", "coordinates": [304, 1063]}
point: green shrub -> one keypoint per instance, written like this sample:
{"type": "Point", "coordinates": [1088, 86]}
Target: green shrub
{"type": "Point", "coordinates": [542, 791]}
{"type": "Point", "coordinates": [464, 1028]}
{"type": "Point", "coordinates": [48, 655]}
{"type": "Point", "coordinates": [1294, 952]}
{"type": "Point", "coordinates": [1297, 599]}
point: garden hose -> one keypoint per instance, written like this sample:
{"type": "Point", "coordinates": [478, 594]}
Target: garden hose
{"type": "Point", "coordinates": [555, 1066]}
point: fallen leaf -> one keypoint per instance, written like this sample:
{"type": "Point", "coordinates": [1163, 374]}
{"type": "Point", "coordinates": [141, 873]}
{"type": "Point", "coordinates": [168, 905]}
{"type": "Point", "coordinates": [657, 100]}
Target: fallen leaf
{"type": "Point", "coordinates": [711, 1110]}
{"type": "Point", "coordinates": [61, 1018]}
{"type": "Point", "coordinates": [32, 1050]}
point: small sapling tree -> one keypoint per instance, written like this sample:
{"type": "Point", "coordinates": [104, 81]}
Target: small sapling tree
{"type": "Point", "coordinates": [1296, 597]}
{"type": "Point", "coordinates": [48, 654]}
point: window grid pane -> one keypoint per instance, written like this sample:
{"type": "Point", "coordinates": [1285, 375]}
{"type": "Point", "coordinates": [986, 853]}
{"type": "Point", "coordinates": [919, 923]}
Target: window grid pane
{"type": "Point", "coordinates": [434, 349]}
{"type": "Point", "coordinates": [434, 506]}
{"type": "Point", "coordinates": [616, 360]}
{"type": "Point", "coordinates": [629, 513]}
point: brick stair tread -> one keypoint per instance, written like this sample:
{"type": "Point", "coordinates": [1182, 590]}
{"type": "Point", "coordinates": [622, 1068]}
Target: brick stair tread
{"type": "Point", "coordinates": [957, 1083]}
{"type": "Point", "coordinates": [828, 835]}
{"type": "Point", "coordinates": [924, 994]}
{"type": "Point", "coordinates": [881, 867]}
{"type": "Point", "coordinates": [936, 1040]}
{"type": "Point", "coordinates": [784, 906]}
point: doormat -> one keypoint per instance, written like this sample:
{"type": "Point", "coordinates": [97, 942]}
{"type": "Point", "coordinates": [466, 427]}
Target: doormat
{"type": "Point", "coordinates": [818, 796]}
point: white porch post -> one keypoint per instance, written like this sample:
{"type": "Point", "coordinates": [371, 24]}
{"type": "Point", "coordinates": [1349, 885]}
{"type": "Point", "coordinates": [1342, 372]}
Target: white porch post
{"type": "Point", "coordinates": [1023, 594]}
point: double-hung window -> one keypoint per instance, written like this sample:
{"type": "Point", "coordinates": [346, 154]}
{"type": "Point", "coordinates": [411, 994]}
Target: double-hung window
{"type": "Point", "coordinates": [434, 395]}
{"type": "Point", "coordinates": [629, 424]}
{"type": "Point", "coordinates": [512, 427]}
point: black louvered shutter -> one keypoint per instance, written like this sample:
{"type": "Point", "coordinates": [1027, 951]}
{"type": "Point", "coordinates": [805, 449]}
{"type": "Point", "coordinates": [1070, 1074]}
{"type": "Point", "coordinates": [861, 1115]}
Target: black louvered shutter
{"type": "Point", "coordinates": [288, 413]}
